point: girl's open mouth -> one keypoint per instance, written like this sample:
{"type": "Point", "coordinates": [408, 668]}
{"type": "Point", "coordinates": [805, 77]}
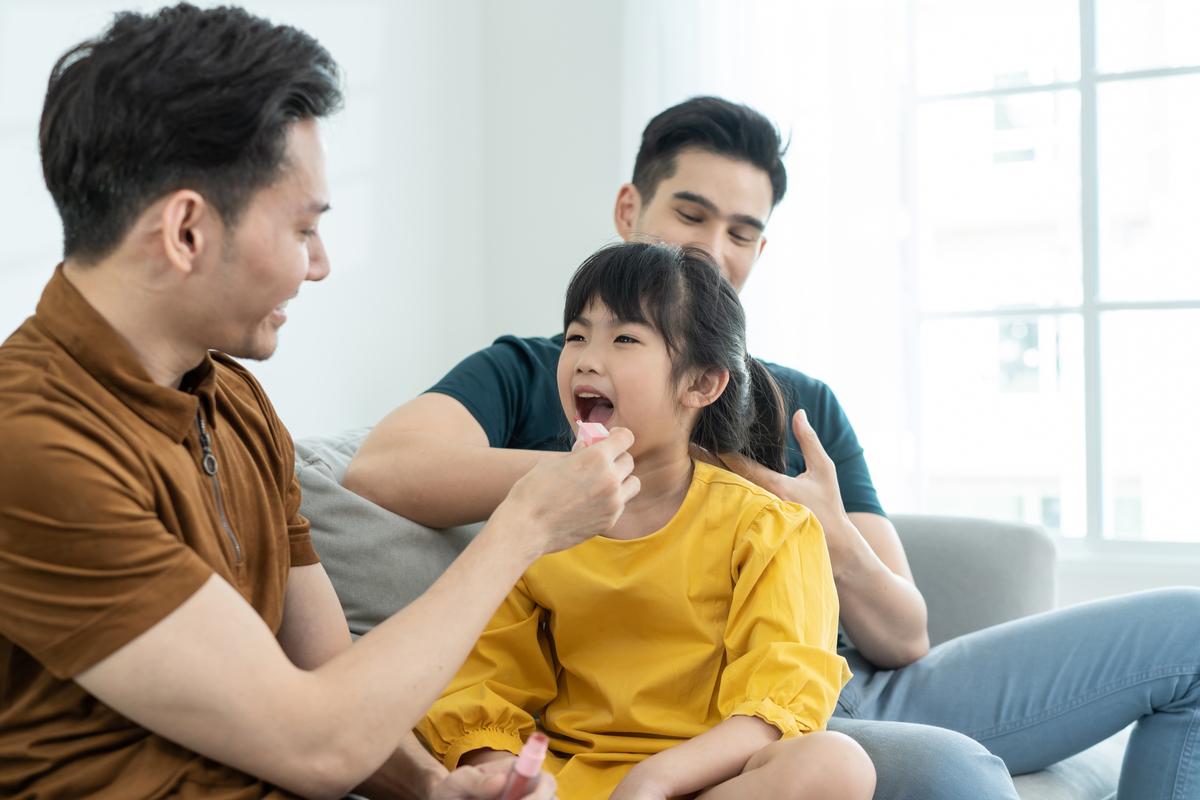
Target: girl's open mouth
{"type": "Point", "coordinates": [591, 406]}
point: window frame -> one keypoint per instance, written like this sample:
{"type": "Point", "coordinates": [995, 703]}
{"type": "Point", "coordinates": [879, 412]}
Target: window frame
{"type": "Point", "coordinates": [1091, 309]}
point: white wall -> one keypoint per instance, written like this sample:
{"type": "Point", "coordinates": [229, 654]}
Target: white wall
{"type": "Point", "coordinates": [406, 158]}
{"type": "Point", "coordinates": [553, 152]}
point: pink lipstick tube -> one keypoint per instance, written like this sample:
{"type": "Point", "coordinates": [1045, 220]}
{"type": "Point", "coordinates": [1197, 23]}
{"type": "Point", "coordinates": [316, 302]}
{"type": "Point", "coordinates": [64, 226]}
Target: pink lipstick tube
{"type": "Point", "coordinates": [525, 771]}
{"type": "Point", "coordinates": [591, 432]}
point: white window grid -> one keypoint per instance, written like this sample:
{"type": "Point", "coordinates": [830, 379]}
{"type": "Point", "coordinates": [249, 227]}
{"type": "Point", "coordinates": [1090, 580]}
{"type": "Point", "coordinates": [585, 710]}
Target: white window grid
{"type": "Point", "coordinates": [1091, 307]}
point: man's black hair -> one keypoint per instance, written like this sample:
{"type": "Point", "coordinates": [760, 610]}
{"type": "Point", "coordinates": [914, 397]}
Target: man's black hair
{"type": "Point", "coordinates": [714, 125]}
{"type": "Point", "coordinates": [183, 98]}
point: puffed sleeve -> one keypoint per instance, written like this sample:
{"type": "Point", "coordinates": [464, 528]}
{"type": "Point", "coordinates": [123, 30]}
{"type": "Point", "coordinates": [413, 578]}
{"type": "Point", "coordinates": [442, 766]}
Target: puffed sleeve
{"type": "Point", "coordinates": [781, 637]}
{"type": "Point", "coordinates": [507, 679]}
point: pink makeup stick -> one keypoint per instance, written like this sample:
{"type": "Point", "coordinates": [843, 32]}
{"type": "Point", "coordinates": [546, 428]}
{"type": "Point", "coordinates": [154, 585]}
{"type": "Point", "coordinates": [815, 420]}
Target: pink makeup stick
{"type": "Point", "coordinates": [524, 773]}
{"type": "Point", "coordinates": [591, 432]}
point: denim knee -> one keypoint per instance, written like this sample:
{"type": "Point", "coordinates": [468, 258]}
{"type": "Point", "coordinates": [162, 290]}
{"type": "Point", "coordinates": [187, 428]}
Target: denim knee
{"type": "Point", "coordinates": [922, 762]}
{"type": "Point", "coordinates": [1181, 600]}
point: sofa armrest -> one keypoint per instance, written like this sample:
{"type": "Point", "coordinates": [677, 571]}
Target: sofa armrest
{"type": "Point", "coordinates": [975, 572]}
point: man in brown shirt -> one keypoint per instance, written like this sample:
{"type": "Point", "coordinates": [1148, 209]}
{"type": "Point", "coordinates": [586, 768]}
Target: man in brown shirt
{"type": "Point", "coordinates": [166, 629]}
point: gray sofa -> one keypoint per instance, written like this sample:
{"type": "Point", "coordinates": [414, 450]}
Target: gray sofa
{"type": "Point", "coordinates": [973, 573]}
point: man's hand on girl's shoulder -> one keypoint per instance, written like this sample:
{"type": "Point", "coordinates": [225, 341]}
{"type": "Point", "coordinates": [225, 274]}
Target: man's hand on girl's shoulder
{"type": "Point", "coordinates": [816, 487]}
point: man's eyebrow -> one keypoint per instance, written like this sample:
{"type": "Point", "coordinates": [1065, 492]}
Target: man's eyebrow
{"type": "Point", "coordinates": [709, 205]}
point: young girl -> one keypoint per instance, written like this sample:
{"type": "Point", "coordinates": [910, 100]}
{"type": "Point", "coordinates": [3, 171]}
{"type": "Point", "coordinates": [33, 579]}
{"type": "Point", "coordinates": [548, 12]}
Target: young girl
{"type": "Point", "coordinates": [691, 648]}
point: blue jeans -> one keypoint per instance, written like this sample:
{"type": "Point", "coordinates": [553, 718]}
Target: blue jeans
{"type": "Point", "coordinates": [1020, 696]}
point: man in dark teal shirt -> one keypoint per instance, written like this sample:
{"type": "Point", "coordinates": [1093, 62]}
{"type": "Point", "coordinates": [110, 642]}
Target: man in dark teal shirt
{"type": "Point", "coordinates": [709, 173]}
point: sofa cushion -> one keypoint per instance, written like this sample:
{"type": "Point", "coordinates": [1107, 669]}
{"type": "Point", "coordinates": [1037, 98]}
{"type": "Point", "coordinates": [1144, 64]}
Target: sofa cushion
{"type": "Point", "coordinates": [378, 561]}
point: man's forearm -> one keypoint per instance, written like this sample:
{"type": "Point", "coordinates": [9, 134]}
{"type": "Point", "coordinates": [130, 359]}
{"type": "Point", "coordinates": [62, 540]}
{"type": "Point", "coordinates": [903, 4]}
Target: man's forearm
{"type": "Point", "coordinates": [883, 613]}
{"type": "Point", "coordinates": [367, 700]}
{"type": "Point", "coordinates": [436, 482]}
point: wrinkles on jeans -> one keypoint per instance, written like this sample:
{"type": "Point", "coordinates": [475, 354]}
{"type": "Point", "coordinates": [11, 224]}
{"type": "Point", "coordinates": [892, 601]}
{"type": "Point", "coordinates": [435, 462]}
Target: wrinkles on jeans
{"type": "Point", "coordinates": [1185, 788]}
{"type": "Point", "coordinates": [1097, 695]}
{"type": "Point", "coordinates": [1043, 688]}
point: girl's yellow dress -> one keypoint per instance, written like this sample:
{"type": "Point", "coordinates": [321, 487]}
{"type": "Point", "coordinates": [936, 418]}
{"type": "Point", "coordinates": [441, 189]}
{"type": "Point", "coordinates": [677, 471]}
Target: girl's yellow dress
{"type": "Point", "coordinates": [619, 649]}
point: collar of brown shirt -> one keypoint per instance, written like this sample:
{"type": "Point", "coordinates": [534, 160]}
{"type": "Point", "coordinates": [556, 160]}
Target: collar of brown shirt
{"type": "Point", "coordinates": [71, 321]}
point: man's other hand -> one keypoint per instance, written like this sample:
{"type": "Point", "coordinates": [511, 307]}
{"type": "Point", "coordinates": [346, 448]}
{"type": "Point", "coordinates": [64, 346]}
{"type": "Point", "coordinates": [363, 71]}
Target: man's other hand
{"type": "Point", "coordinates": [486, 781]}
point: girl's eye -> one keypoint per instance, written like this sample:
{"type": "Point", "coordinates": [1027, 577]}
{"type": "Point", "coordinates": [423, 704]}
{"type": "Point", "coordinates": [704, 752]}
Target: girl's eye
{"type": "Point", "coordinates": [308, 233]}
{"type": "Point", "coordinates": [623, 339]}
{"type": "Point", "coordinates": [574, 337]}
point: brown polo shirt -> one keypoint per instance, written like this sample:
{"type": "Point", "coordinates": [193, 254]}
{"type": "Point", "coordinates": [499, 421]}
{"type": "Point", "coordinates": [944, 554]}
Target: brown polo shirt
{"type": "Point", "coordinates": [108, 522]}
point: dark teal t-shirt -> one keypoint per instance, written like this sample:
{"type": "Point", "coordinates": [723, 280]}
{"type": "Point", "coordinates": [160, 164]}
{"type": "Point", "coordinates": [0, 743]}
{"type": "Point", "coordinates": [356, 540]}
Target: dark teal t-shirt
{"type": "Point", "coordinates": [511, 388]}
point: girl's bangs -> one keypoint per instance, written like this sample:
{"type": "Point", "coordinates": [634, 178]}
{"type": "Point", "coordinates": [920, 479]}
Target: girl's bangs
{"type": "Point", "coordinates": [629, 280]}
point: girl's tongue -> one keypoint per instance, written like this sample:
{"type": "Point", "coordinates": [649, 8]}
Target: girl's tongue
{"type": "Point", "coordinates": [601, 412]}
{"type": "Point", "coordinates": [594, 409]}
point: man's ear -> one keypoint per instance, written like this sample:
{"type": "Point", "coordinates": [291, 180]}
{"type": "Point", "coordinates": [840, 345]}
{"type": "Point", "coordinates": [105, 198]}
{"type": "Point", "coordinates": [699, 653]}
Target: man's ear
{"type": "Point", "coordinates": [762, 245]}
{"type": "Point", "coordinates": [186, 221]}
{"type": "Point", "coordinates": [703, 389]}
{"type": "Point", "coordinates": [627, 210]}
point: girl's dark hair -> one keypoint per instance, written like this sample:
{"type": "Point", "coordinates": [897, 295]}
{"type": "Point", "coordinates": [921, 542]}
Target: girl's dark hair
{"type": "Point", "coordinates": [681, 293]}
{"type": "Point", "coordinates": [183, 98]}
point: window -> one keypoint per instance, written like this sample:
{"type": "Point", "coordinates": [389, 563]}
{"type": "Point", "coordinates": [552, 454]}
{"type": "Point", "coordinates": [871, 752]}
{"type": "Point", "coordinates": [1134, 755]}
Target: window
{"type": "Point", "coordinates": [1055, 199]}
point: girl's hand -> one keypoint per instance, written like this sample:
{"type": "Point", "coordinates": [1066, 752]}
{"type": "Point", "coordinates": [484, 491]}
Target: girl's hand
{"type": "Point", "coordinates": [639, 785]}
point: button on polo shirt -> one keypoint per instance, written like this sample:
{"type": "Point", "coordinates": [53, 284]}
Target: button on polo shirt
{"type": "Point", "coordinates": [108, 522]}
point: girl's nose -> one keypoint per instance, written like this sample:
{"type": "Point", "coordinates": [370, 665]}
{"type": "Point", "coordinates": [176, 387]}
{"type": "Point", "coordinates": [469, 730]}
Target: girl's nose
{"type": "Point", "coordinates": [588, 361]}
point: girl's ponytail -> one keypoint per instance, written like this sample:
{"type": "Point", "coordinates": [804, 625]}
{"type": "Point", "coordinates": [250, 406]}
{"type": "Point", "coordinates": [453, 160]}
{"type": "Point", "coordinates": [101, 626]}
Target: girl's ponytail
{"type": "Point", "coordinates": [767, 429]}
{"type": "Point", "coordinates": [766, 439]}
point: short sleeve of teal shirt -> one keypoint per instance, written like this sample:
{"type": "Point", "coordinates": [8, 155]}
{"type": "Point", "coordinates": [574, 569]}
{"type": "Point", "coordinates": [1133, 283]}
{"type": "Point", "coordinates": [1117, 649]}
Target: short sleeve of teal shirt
{"type": "Point", "coordinates": [511, 388]}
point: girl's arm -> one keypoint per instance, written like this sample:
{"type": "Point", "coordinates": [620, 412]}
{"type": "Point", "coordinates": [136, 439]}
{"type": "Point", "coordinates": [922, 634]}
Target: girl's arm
{"type": "Point", "coordinates": [714, 756]}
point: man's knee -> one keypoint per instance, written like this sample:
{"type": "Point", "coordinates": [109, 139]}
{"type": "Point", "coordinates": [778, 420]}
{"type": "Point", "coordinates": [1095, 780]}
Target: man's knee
{"type": "Point", "coordinates": [1181, 600]}
{"type": "Point", "coordinates": [922, 762]}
